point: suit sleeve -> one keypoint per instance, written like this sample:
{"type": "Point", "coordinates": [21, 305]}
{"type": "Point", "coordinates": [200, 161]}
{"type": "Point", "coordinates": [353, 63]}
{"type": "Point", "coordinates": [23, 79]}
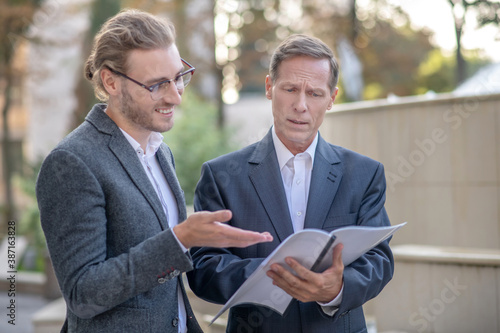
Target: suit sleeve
{"type": "Point", "coordinates": [74, 214]}
{"type": "Point", "coordinates": [366, 277]}
{"type": "Point", "coordinates": [218, 273]}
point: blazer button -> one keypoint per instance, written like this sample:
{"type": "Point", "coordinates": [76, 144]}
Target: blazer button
{"type": "Point", "coordinates": [175, 322]}
{"type": "Point", "coordinates": [174, 273]}
{"type": "Point", "coordinates": [162, 280]}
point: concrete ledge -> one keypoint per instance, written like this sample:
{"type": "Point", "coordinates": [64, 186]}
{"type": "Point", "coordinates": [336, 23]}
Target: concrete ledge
{"type": "Point", "coordinates": [440, 290]}
{"type": "Point", "coordinates": [27, 282]}
{"type": "Point", "coordinates": [427, 100]}
{"type": "Point", "coordinates": [50, 318]}
{"type": "Point", "coordinates": [443, 255]}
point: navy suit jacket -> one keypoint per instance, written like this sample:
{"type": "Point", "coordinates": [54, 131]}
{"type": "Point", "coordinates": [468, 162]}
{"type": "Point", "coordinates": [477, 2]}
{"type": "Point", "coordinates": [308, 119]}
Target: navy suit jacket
{"type": "Point", "coordinates": [346, 189]}
{"type": "Point", "coordinates": [115, 258]}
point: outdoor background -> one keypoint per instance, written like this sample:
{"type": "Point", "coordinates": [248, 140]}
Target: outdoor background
{"type": "Point", "coordinates": [434, 61]}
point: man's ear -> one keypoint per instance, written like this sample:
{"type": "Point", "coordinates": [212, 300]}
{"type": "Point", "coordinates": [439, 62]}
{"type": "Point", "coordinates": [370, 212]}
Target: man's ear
{"type": "Point", "coordinates": [110, 82]}
{"type": "Point", "coordinates": [332, 98]}
{"type": "Point", "coordinates": [269, 88]}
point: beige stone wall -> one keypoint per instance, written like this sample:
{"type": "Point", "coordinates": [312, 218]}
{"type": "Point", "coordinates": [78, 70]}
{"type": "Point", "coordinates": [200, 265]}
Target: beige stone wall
{"type": "Point", "coordinates": [442, 162]}
{"type": "Point", "coordinates": [440, 290]}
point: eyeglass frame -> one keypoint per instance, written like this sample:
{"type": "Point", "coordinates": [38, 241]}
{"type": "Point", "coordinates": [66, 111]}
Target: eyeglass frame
{"type": "Point", "coordinates": [152, 87]}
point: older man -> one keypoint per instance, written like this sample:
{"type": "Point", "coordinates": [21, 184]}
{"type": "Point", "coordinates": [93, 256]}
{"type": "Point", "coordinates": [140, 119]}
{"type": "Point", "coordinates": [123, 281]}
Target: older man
{"type": "Point", "coordinates": [292, 179]}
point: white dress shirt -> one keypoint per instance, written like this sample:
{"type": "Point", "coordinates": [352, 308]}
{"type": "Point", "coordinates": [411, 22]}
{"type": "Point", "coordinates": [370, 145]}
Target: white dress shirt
{"type": "Point", "coordinates": [155, 174]}
{"type": "Point", "coordinates": [296, 175]}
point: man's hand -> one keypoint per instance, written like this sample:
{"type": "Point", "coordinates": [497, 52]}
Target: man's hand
{"type": "Point", "coordinates": [307, 286]}
{"type": "Point", "coordinates": [207, 229]}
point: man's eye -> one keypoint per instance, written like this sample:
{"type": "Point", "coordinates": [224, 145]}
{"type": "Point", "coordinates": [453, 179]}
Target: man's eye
{"type": "Point", "coordinates": [163, 85]}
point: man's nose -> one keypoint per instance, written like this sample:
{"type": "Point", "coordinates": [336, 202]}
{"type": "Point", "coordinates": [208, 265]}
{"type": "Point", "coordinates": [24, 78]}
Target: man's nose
{"type": "Point", "coordinates": [173, 95]}
{"type": "Point", "coordinates": [300, 103]}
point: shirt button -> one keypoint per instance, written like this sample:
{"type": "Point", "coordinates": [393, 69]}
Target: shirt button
{"type": "Point", "coordinates": [299, 213]}
{"type": "Point", "coordinates": [299, 181]}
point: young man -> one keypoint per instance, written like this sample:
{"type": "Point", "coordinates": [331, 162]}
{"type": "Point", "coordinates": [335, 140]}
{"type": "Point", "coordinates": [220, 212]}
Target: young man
{"type": "Point", "coordinates": [110, 203]}
{"type": "Point", "coordinates": [292, 179]}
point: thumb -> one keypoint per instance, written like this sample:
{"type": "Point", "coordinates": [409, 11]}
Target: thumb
{"type": "Point", "coordinates": [337, 255]}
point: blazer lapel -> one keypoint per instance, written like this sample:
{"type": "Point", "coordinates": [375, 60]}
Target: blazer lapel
{"type": "Point", "coordinates": [123, 151]}
{"type": "Point", "coordinates": [164, 157]}
{"type": "Point", "coordinates": [266, 178]}
{"type": "Point", "coordinates": [325, 180]}
{"type": "Point", "coordinates": [126, 155]}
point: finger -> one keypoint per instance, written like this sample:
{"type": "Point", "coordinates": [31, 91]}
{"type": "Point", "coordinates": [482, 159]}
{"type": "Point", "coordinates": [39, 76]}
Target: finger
{"type": "Point", "coordinates": [287, 281]}
{"type": "Point", "coordinates": [280, 276]}
{"type": "Point", "coordinates": [301, 271]}
{"type": "Point", "coordinates": [221, 215]}
{"type": "Point", "coordinates": [236, 237]}
{"type": "Point", "coordinates": [337, 256]}
{"type": "Point", "coordinates": [210, 217]}
{"type": "Point", "coordinates": [285, 275]}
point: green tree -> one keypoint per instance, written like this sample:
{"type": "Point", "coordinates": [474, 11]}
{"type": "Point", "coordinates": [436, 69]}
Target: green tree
{"type": "Point", "coordinates": [392, 57]}
{"type": "Point", "coordinates": [29, 224]}
{"type": "Point", "coordinates": [381, 38]}
{"type": "Point", "coordinates": [194, 139]}
{"type": "Point", "coordinates": [487, 12]}
{"type": "Point", "coordinates": [437, 73]}
{"type": "Point", "coordinates": [101, 10]}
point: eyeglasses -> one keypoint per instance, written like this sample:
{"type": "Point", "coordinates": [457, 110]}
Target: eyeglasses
{"type": "Point", "coordinates": [159, 90]}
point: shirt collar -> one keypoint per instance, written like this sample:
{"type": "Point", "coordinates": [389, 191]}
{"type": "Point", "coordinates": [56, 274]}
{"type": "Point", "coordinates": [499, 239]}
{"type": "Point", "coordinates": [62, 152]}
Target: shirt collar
{"type": "Point", "coordinates": [284, 155]}
{"type": "Point", "coordinates": [154, 142]}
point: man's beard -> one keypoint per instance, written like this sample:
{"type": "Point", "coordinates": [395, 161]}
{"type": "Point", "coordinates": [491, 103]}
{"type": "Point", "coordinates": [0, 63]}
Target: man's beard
{"type": "Point", "coordinates": [138, 116]}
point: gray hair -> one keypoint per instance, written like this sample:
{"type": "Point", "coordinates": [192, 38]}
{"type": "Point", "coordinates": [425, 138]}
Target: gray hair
{"type": "Point", "coordinates": [303, 45]}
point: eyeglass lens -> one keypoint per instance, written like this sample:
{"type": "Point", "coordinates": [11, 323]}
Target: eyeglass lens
{"type": "Point", "coordinates": [180, 82]}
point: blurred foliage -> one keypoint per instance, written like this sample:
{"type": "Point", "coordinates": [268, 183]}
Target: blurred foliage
{"type": "Point", "coordinates": [194, 139]}
{"type": "Point", "coordinates": [29, 223]}
{"type": "Point", "coordinates": [15, 18]}
{"type": "Point", "coordinates": [391, 51]}
{"type": "Point", "coordinates": [392, 57]}
{"type": "Point", "coordinates": [486, 12]}
{"type": "Point", "coordinates": [437, 73]}
{"type": "Point", "coordinates": [100, 11]}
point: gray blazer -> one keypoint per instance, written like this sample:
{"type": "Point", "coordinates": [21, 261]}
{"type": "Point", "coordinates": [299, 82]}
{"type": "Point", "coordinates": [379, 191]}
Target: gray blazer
{"type": "Point", "coordinates": [346, 189]}
{"type": "Point", "coordinates": [117, 262]}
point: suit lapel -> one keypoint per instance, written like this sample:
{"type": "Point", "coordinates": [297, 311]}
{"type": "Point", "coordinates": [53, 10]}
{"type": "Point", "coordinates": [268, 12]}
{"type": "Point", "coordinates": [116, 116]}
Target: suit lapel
{"type": "Point", "coordinates": [126, 155]}
{"type": "Point", "coordinates": [266, 178]}
{"type": "Point", "coordinates": [129, 161]}
{"type": "Point", "coordinates": [325, 180]}
{"type": "Point", "coordinates": [169, 172]}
